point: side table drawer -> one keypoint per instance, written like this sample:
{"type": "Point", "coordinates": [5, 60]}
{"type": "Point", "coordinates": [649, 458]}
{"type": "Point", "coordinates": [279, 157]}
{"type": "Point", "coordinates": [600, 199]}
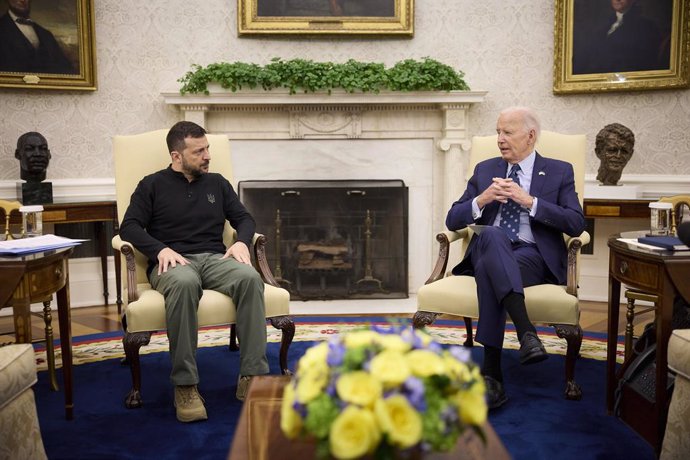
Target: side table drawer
{"type": "Point", "coordinates": [48, 279]}
{"type": "Point", "coordinates": [634, 272]}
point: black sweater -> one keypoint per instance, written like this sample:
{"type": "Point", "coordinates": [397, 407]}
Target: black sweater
{"type": "Point", "coordinates": [166, 210]}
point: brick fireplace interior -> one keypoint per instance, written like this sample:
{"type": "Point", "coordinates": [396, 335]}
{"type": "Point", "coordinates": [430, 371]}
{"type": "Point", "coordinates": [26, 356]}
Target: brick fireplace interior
{"type": "Point", "coordinates": [333, 239]}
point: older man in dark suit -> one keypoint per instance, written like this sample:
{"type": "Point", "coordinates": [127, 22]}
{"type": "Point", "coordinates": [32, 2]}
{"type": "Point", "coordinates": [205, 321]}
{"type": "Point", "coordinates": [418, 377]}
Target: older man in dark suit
{"type": "Point", "coordinates": [527, 202]}
{"type": "Point", "coordinates": [26, 47]}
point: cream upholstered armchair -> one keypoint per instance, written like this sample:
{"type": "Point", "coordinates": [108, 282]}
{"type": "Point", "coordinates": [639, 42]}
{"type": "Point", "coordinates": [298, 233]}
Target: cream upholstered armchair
{"type": "Point", "coordinates": [676, 445]}
{"type": "Point", "coordinates": [136, 156]}
{"type": "Point", "coordinates": [20, 433]}
{"type": "Point", "coordinates": [546, 303]}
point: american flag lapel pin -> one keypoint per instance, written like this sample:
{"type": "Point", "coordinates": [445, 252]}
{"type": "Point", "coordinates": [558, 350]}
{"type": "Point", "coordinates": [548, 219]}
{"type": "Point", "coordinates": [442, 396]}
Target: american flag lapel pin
{"type": "Point", "coordinates": [542, 173]}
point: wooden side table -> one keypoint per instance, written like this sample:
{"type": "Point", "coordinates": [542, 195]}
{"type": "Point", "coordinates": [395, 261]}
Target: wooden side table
{"type": "Point", "coordinates": [35, 278]}
{"type": "Point", "coordinates": [663, 274]}
{"type": "Point", "coordinates": [99, 213]}
{"type": "Point", "coordinates": [258, 435]}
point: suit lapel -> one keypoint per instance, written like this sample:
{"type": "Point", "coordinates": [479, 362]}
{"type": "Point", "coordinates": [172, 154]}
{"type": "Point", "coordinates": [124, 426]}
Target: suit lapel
{"type": "Point", "coordinates": [498, 169]}
{"type": "Point", "coordinates": [539, 175]}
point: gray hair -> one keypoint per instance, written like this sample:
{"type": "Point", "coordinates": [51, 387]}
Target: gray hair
{"type": "Point", "coordinates": [529, 117]}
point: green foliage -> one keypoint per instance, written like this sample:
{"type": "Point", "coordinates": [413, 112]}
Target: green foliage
{"type": "Point", "coordinates": [320, 415]}
{"type": "Point", "coordinates": [309, 76]}
{"type": "Point", "coordinates": [439, 434]}
{"type": "Point", "coordinates": [354, 359]}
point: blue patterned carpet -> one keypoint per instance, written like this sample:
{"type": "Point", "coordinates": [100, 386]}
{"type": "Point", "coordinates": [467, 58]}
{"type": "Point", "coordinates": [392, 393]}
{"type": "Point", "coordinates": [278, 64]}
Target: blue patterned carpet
{"type": "Point", "coordinates": [536, 423]}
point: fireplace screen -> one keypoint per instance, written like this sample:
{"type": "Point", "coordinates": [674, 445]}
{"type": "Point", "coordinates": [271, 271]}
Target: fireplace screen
{"type": "Point", "coordinates": [333, 239]}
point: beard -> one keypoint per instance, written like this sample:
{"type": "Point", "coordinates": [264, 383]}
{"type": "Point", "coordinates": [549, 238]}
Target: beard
{"type": "Point", "coordinates": [194, 171]}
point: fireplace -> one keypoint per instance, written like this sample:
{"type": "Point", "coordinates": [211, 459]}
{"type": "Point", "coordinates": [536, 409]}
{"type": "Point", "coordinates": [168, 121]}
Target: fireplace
{"type": "Point", "coordinates": [335, 239]}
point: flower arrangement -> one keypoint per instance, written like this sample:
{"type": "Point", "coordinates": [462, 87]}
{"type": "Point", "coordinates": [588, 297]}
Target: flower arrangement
{"type": "Point", "coordinates": [382, 391]}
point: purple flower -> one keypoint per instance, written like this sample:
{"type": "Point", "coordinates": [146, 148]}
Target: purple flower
{"type": "Point", "coordinates": [462, 354]}
{"type": "Point", "coordinates": [413, 389]}
{"type": "Point", "coordinates": [336, 352]}
{"type": "Point", "coordinates": [300, 408]}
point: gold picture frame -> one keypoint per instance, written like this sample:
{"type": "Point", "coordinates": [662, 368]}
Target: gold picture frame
{"type": "Point", "coordinates": [651, 54]}
{"type": "Point", "coordinates": [62, 55]}
{"type": "Point", "coordinates": [325, 17]}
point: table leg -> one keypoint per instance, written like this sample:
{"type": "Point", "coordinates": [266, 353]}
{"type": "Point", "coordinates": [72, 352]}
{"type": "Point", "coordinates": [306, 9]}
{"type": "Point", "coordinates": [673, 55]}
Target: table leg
{"type": "Point", "coordinates": [664, 317]}
{"type": "Point", "coordinates": [630, 318]}
{"type": "Point", "coordinates": [65, 319]}
{"type": "Point", "coordinates": [21, 312]}
{"type": "Point", "coordinates": [103, 251]}
{"type": "Point", "coordinates": [117, 258]}
{"type": "Point", "coordinates": [612, 342]}
{"type": "Point", "coordinates": [118, 279]}
{"type": "Point", "coordinates": [50, 348]}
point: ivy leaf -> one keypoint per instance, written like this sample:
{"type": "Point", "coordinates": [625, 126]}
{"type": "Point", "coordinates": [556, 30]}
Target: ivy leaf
{"type": "Point", "coordinates": [309, 76]}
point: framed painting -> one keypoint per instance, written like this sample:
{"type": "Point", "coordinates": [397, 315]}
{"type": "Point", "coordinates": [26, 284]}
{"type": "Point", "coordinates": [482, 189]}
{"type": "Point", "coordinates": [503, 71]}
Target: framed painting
{"type": "Point", "coordinates": [325, 17]}
{"type": "Point", "coordinates": [621, 45]}
{"type": "Point", "coordinates": [47, 44]}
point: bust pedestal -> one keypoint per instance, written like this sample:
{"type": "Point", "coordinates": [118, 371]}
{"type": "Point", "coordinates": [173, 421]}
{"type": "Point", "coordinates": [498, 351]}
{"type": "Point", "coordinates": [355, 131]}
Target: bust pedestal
{"type": "Point", "coordinates": [30, 193]}
{"type": "Point", "coordinates": [617, 192]}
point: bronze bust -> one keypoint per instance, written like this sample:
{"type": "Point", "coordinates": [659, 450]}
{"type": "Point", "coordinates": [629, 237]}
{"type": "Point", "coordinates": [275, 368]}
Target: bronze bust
{"type": "Point", "coordinates": [614, 146]}
{"type": "Point", "coordinates": [33, 155]}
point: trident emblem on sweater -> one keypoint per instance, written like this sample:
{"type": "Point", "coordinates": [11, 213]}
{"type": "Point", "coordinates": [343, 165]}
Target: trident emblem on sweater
{"type": "Point", "coordinates": [211, 198]}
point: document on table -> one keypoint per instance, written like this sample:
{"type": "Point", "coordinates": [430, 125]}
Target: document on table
{"type": "Point", "coordinates": [36, 244]}
{"type": "Point", "coordinates": [634, 242]}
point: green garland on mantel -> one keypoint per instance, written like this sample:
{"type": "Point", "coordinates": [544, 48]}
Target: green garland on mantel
{"type": "Point", "coordinates": [309, 76]}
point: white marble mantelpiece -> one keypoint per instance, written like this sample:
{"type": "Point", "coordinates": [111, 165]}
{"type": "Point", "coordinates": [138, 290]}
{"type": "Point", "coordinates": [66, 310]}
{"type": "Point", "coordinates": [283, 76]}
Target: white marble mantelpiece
{"type": "Point", "coordinates": [442, 117]}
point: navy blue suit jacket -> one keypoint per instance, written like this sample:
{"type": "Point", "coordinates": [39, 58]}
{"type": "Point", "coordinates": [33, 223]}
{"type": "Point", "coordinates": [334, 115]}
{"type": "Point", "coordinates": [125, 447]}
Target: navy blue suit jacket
{"type": "Point", "coordinates": [558, 209]}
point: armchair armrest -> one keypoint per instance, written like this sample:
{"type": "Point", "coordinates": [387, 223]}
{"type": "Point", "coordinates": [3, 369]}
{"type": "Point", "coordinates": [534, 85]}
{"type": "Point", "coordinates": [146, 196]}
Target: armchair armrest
{"type": "Point", "coordinates": [574, 244]}
{"type": "Point", "coordinates": [126, 249]}
{"type": "Point", "coordinates": [445, 238]}
{"type": "Point", "coordinates": [259, 244]}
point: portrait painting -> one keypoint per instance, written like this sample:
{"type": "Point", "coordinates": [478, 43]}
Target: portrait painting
{"type": "Point", "coordinates": [620, 45]}
{"type": "Point", "coordinates": [47, 44]}
{"type": "Point", "coordinates": [333, 17]}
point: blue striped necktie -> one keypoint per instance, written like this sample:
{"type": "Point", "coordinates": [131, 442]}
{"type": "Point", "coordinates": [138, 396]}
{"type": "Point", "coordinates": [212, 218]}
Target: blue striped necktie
{"type": "Point", "coordinates": [510, 213]}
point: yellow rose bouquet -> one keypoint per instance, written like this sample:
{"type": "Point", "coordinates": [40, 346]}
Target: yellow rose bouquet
{"type": "Point", "coordinates": [382, 391]}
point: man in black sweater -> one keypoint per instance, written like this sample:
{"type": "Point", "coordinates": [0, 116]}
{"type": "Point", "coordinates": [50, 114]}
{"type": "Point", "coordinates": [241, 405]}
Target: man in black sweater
{"type": "Point", "coordinates": [176, 218]}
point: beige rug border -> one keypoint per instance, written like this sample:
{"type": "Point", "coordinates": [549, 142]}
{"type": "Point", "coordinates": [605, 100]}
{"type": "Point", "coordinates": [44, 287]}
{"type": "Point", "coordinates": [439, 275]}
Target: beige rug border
{"type": "Point", "coordinates": [111, 348]}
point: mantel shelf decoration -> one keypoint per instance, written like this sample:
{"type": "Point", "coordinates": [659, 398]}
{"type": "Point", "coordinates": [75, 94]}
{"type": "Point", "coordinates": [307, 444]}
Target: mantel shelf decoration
{"type": "Point", "coordinates": [309, 76]}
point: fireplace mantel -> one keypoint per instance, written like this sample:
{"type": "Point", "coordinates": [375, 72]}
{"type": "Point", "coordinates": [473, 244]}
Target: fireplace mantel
{"type": "Point", "coordinates": [439, 116]}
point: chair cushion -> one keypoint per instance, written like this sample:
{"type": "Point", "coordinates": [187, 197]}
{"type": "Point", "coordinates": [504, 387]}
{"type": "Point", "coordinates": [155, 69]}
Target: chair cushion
{"type": "Point", "coordinates": [457, 295]}
{"type": "Point", "coordinates": [148, 313]}
{"type": "Point", "coordinates": [679, 351]}
{"type": "Point", "coordinates": [17, 371]}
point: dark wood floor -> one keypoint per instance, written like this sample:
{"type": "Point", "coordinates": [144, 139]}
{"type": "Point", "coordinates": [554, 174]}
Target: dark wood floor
{"type": "Point", "coordinates": [92, 320]}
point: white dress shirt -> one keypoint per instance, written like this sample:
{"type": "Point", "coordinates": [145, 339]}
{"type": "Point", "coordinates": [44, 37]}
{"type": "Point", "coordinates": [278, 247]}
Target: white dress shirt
{"type": "Point", "coordinates": [525, 177]}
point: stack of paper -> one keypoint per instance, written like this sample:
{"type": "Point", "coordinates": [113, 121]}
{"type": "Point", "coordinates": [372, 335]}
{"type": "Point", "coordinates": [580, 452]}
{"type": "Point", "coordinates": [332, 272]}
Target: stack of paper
{"type": "Point", "coordinates": [36, 244]}
{"type": "Point", "coordinates": [671, 243]}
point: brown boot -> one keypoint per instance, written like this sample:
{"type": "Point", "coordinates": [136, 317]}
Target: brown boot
{"type": "Point", "coordinates": [189, 404]}
{"type": "Point", "coordinates": [243, 386]}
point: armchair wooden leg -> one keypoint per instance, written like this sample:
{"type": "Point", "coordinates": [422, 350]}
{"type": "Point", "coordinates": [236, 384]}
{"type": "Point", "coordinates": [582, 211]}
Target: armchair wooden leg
{"type": "Point", "coordinates": [573, 336]}
{"type": "Point", "coordinates": [233, 339]}
{"type": "Point", "coordinates": [287, 326]}
{"type": "Point", "coordinates": [132, 343]}
{"type": "Point", "coordinates": [468, 326]}
{"type": "Point", "coordinates": [423, 318]}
